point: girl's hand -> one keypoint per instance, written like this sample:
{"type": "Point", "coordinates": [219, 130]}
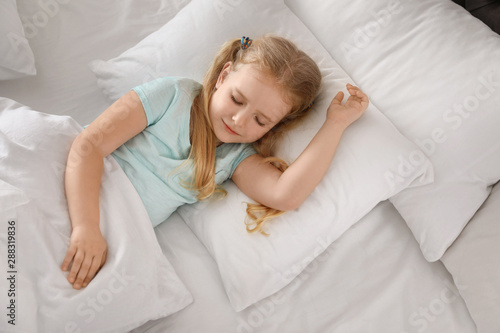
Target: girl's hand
{"type": "Point", "coordinates": [87, 250]}
{"type": "Point", "coordinates": [352, 109]}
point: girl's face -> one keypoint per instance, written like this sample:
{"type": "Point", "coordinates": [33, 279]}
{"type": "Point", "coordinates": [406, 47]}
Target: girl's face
{"type": "Point", "coordinates": [245, 105]}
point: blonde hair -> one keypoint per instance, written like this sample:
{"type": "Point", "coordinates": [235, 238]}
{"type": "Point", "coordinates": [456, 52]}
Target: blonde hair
{"type": "Point", "coordinates": [295, 73]}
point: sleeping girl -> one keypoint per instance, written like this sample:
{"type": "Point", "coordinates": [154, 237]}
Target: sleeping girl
{"type": "Point", "coordinates": [178, 141]}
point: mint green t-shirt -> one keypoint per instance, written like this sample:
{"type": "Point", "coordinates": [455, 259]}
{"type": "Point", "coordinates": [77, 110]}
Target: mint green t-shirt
{"type": "Point", "coordinates": [149, 158]}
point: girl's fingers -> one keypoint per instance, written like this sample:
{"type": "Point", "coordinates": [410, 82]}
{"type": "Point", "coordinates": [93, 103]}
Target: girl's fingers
{"type": "Point", "coordinates": [363, 96]}
{"type": "Point", "coordinates": [96, 264]}
{"type": "Point", "coordinates": [352, 89]}
{"type": "Point", "coordinates": [82, 274]}
{"type": "Point", "coordinates": [75, 267]}
{"type": "Point", "coordinates": [103, 260]}
{"type": "Point", "coordinates": [69, 256]}
{"type": "Point", "coordinates": [338, 98]}
{"type": "Point", "coordinates": [356, 92]}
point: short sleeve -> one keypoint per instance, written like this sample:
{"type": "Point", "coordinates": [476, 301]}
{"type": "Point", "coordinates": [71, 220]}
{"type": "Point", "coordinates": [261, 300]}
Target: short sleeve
{"type": "Point", "coordinates": [247, 150]}
{"type": "Point", "coordinates": [156, 97]}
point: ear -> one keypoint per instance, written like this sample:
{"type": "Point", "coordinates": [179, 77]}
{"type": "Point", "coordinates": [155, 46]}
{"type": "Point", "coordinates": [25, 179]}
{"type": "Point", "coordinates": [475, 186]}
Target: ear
{"type": "Point", "coordinates": [223, 74]}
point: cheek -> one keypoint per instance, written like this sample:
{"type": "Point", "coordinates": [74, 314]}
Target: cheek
{"type": "Point", "coordinates": [219, 105]}
{"type": "Point", "coordinates": [213, 108]}
{"type": "Point", "coordinates": [258, 132]}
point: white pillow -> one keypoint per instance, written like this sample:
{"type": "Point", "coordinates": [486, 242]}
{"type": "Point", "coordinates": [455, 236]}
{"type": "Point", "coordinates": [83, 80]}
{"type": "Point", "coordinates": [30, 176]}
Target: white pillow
{"type": "Point", "coordinates": [434, 71]}
{"type": "Point", "coordinates": [473, 262]}
{"type": "Point", "coordinates": [373, 162]}
{"type": "Point", "coordinates": [16, 58]}
{"type": "Point", "coordinates": [136, 284]}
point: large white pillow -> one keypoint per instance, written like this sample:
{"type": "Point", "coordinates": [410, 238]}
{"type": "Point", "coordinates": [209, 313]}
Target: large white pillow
{"type": "Point", "coordinates": [473, 262]}
{"type": "Point", "coordinates": [136, 284]}
{"type": "Point", "coordinates": [373, 162]}
{"type": "Point", "coordinates": [434, 70]}
{"type": "Point", "coordinates": [16, 58]}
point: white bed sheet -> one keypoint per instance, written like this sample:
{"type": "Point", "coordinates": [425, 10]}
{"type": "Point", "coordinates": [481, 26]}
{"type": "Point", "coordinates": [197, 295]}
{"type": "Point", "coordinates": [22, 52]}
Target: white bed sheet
{"type": "Point", "coordinates": [373, 279]}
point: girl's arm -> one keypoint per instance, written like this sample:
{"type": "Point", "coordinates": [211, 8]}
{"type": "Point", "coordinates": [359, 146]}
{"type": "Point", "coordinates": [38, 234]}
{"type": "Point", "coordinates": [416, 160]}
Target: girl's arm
{"type": "Point", "coordinates": [87, 249]}
{"type": "Point", "coordinates": [288, 190]}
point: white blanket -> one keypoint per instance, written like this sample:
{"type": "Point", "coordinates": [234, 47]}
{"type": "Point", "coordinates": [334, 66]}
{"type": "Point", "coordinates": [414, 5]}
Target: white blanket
{"type": "Point", "coordinates": [136, 284]}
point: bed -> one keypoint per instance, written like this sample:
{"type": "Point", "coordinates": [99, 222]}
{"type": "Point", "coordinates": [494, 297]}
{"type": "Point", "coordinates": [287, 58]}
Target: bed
{"type": "Point", "coordinates": [401, 236]}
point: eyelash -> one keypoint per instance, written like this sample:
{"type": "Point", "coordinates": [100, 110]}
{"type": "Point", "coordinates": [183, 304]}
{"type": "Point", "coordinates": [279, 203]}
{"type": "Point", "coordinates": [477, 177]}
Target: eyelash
{"type": "Point", "coordinates": [258, 122]}
{"type": "Point", "coordinates": [235, 101]}
{"type": "Point", "coordinates": [256, 118]}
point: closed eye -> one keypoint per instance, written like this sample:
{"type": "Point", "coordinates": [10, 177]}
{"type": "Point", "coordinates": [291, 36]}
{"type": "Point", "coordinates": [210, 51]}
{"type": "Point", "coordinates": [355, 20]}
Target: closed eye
{"type": "Point", "coordinates": [235, 101]}
{"type": "Point", "coordinates": [258, 122]}
{"type": "Point", "coordinates": [255, 117]}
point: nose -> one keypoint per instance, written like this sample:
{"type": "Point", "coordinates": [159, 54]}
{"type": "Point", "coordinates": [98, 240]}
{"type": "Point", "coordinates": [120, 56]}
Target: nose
{"type": "Point", "coordinates": [239, 118]}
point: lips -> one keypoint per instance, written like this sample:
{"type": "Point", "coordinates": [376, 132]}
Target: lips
{"type": "Point", "coordinates": [228, 129]}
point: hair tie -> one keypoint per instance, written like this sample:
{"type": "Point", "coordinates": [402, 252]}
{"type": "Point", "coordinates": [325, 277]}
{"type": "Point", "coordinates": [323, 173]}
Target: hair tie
{"type": "Point", "coordinates": [246, 42]}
